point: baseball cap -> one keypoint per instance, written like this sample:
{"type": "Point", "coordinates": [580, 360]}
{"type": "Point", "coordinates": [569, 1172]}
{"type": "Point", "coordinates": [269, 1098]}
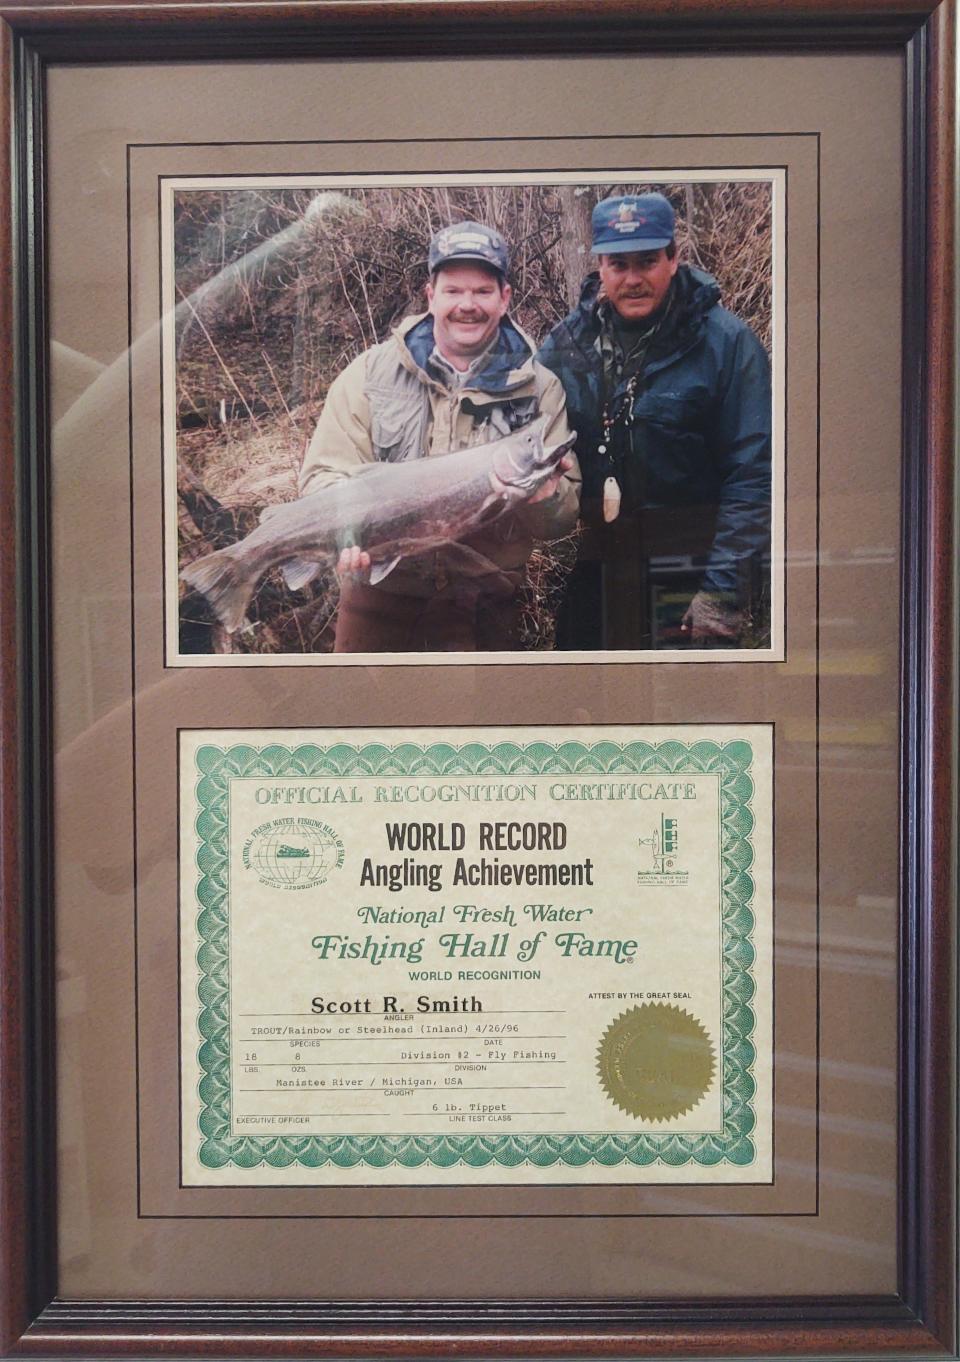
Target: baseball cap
{"type": "Point", "coordinates": [632, 222]}
{"type": "Point", "coordinates": [469, 241]}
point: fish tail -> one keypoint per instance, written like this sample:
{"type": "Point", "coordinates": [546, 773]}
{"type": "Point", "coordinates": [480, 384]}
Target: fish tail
{"type": "Point", "coordinates": [227, 586]}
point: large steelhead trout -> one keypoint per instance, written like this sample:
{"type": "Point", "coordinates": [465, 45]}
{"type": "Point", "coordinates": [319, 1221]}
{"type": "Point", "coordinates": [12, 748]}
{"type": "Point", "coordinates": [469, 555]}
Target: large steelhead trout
{"type": "Point", "coordinates": [391, 510]}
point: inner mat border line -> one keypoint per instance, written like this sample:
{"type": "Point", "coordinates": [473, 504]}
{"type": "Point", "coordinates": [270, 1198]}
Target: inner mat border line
{"type": "Point", "coordinates": [604, 137]}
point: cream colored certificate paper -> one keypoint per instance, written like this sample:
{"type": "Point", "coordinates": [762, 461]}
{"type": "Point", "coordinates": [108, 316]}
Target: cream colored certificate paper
{"type": "Point", "coordinates": [465, 956]}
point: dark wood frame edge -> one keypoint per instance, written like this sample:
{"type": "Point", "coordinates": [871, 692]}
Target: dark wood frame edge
{"type": "Point", "coordinates": [74, 30]}
{"type": "Point", "coordinates": [922, 1318]}
{"type": "Point", "coordinates": [928, 741]}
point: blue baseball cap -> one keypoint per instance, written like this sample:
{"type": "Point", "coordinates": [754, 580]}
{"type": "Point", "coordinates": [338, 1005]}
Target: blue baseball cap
{"type": "Point", "coordinates": [463, 241]}
{"type": "Point", "coordinates": [633, 222]}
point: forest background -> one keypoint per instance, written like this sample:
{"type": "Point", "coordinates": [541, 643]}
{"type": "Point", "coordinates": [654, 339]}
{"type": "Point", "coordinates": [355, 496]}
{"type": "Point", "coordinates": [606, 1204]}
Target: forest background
{"type": "Point", "coordinates": [278, 289]}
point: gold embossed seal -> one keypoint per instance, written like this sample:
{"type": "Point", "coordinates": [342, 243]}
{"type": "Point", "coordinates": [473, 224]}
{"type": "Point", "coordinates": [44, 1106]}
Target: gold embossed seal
{"type": "Point", "coordinates": [655, 1061]}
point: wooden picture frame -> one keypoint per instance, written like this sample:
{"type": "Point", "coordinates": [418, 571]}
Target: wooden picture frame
{"type": "Point", "coordinates": [920, 1318]}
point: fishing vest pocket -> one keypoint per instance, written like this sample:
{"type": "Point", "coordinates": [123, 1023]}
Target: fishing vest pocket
{"type": "Point", "coordinates": [500, 418]}
{"type": "Point", "coordinates": [399, 407]}
{"type": "Point", "coordinates": [390, 444]}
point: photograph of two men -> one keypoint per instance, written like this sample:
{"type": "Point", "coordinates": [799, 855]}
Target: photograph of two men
{"type": "Point", "coordinates": [528, 420]}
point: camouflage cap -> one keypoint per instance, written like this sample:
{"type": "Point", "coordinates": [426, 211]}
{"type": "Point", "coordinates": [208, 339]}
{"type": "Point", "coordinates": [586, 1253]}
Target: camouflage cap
{"type": "Point", "coordinates": [469, 241]}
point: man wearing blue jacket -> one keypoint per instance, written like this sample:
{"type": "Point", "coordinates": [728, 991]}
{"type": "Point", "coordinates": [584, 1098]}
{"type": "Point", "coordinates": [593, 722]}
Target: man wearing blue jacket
{"type": "Point", "coordinates": [670, 396]}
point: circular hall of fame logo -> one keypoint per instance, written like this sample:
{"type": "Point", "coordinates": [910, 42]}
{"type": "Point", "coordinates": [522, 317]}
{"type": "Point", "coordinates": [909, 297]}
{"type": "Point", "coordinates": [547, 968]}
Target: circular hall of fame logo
{"type": "Point", "coordinates": [293, 853]}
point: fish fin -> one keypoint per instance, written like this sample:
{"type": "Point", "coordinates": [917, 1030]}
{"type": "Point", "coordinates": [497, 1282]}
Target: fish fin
{"type": "Point", "coordinates": [495, 500]}
{"type": "Point", "coordinates": [221, 578]}
{"type": "Point", "coordinates": [381, 570]}
{"type": "Point", "coordinates": [299, 572]}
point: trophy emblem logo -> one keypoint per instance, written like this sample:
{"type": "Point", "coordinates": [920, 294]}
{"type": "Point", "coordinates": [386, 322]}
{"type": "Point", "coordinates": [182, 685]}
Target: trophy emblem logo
{"type": "Point", "coordinates": [664, 843]}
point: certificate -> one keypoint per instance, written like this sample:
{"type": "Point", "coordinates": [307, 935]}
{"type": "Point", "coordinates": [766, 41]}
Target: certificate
{"type": "Point", "coordinates": [461, 956]}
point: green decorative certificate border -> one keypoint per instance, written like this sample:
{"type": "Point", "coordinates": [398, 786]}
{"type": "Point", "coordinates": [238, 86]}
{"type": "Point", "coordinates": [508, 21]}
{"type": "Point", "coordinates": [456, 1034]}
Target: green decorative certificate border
{"type": "Point", "coordinates": [217, 766]}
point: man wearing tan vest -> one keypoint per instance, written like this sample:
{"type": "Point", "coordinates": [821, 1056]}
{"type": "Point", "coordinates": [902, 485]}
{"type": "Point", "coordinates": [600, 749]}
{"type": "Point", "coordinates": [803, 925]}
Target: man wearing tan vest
{"type": "Point", "coordinates": [460, 374]}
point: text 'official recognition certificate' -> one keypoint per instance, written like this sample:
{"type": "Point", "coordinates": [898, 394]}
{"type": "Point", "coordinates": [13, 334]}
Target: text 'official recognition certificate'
{"type": "Point", "coordinates": [464, 956]}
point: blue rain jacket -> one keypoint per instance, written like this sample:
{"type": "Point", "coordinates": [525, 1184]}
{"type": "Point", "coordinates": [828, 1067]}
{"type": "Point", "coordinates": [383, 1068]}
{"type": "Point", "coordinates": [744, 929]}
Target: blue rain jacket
{"type": "Point", "coordinates": [698, 434]}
